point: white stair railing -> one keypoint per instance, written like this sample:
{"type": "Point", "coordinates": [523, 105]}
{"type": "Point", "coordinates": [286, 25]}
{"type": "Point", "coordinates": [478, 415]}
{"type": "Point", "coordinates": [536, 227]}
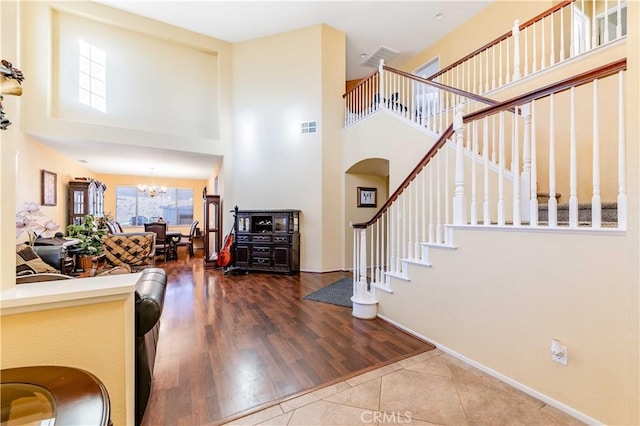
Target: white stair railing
{"type": "Point", "coordinates": [544, 121]}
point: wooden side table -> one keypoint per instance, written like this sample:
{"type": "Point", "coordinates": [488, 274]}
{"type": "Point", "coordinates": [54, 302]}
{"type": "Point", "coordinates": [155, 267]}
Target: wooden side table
{"type": "Point", "coordinates": [48, 394]}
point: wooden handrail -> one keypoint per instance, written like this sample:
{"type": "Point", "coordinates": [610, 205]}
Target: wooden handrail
{"type": "Point", "coordinates": [460, 92]}
{"type": "Point", "coordinates": [567, 83]}
{"type": "Point", "coordinates": [502, 37]}
{"type": "Point", "coordinates": [360, 84]}
{"type": "Point", "coordinates": [405, 183]}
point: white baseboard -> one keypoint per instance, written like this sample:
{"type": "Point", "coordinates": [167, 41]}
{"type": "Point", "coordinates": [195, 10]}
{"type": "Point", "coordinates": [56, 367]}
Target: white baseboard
{"type": "Point", "coordinates": [534, 393]}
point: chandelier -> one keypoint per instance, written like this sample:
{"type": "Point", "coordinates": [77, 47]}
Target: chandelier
{"type": "Point", "coordinates": [152, 190]}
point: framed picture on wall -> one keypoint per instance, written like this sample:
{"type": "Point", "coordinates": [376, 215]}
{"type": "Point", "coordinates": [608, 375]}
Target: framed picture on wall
{"type": "Point", "coordinates": [48, 188]}
{"type": "Point", "coordinates": [367, 197]}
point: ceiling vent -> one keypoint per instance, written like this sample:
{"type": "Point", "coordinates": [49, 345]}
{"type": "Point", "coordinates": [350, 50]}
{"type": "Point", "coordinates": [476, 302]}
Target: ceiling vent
{"type": "Point", "coordinates": [383, 52]}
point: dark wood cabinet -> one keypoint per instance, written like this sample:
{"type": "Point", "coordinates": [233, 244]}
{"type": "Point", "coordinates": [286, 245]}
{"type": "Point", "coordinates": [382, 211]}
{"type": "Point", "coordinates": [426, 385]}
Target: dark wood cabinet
{"type": "Point", "coordinates": [212, 229]}
{"type": "Point", "coordinates": [268, 240]}
{"type": "Point", "coordinates": [84, 196]}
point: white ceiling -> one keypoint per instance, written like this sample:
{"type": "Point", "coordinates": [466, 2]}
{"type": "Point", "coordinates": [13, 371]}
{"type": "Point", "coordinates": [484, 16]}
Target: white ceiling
{"type": "Point", "coordinates": [405, 26]}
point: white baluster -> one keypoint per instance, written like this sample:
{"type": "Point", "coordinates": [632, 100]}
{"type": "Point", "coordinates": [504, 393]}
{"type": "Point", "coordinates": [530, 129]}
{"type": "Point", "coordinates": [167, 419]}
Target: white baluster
{"type": "Point", "coordinates": [383, 246]}
{"type": "Point", "coordinates": [573, 163]}
{"type": "Point", "coordinates": [619, 21]}
{"type": "Point", "coordinates": [525, 181]}
{"type": "Point", "coordinates": [459, 203]}
{"type": "Point", "coordinates": [438, 196]}
{"type": "Point", "coordinates": [400, 239]}
{"type": "Point", "coordinates": [432, 234]}
{"type": "Point", "coordinates": [409, 221]}
{"type": "Point", "coordinates": [474, 213]}
{"type": "Point", "coordinates": [533, 196]}
{"type": "Point", "coordinates": [526, 51]}
{"type": "Point", "coordinates": [475, 64]}
{"type": "Point", "coordinates": [534, 66]}
{"type": "Point", "coordinates": [381, 93]}
{"type": "Point", "coordinates": [486, 73]}
{"type": "Point", "coordinates": [507, 72]}
{"type": "Point", "coordinates": [391, 223]}
{"type": "Point", "coordinates": [493, 140]}
{"type": "Point", "coordinates": [424, 201]}
{"type": "Point", "coordinates": [572, 41]}
{"type": "Point", "coordinates": [355, 259]}
{"type": "Point", "coordinates": [373, 252]}
{"type": "Point", "coordinates": [553, 204]}
{"type": "Point", "coordinates": [543, 56]}
{"type": "Point", "coordinates": [622, 175]}
{"type": "Point", "coordinates": [596, 201]}
{"type": "Point", "coordinates": [362, 285]}
{"type": "Point", "coordinates": [562, 34]}
{"type": "Point", "coordinates": [405, 219]}
{"type": "Point", "coordinates": [493, 64]}
{"type": "Point", "coordinates": [416, 219]}
{"type": "Point", "coordinates": [486, 218]}
{"type": "Point", "coordinates": [552, 46]}
{"type": "Point", "coordinates": [500, 70]}
{"type": "Point", "coordinates": [501, 160]}
{"type": "Point", "coordinates": [516, 49]}
{"type": "Point", "coordinates": [515, 169]}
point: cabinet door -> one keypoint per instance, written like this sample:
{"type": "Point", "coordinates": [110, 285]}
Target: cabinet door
{"type": "Point", "coordinates": [281, 257]}
{"type": "Point", "coordinates": [242, 255]}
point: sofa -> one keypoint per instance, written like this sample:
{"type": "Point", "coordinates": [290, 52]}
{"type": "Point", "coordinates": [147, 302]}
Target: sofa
{"type": "Point", "coordinates": [150, 291]}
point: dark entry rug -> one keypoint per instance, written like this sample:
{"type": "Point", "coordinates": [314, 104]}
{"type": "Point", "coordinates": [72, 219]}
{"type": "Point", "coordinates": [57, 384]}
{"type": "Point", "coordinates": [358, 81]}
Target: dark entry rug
{"type": "Point", "coordinates": [338, 293]}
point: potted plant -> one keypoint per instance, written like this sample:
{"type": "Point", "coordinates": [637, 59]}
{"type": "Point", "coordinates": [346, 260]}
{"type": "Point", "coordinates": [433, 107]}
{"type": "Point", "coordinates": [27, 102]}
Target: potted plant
{"type": "Point", "coordinates": [89, 231]}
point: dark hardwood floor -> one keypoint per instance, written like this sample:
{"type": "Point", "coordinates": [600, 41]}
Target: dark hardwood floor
{"type": "Point", "coordinates": [229, 345]}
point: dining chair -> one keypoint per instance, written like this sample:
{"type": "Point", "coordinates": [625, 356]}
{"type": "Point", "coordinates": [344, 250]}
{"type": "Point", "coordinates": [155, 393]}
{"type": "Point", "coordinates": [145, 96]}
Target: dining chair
{"type": "Point", "coordinates": [187, 240]}
{"type": "Point", "coordinates": [160, 229]}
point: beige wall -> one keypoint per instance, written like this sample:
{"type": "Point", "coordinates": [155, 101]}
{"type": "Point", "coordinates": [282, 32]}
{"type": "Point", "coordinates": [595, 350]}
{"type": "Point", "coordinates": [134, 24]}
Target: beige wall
{"type": "Point", "coordinates": [279, 82]}
{"type": "Point", "coordinates": [96, 337]}
{"type": "Point", "coordinates": [501, 306]}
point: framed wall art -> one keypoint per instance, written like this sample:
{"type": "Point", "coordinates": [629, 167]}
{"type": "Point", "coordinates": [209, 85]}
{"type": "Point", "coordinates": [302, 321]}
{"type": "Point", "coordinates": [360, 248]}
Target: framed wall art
{"type": "Point", "coordinates": [367, 197]}
{"type": "Point", "coordinates": [48, 188]}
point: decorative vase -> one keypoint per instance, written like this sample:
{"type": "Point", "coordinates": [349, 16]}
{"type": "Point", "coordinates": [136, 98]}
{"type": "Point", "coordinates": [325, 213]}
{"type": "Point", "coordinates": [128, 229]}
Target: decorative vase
{"type": "Point", "coordinates": [85, 263]}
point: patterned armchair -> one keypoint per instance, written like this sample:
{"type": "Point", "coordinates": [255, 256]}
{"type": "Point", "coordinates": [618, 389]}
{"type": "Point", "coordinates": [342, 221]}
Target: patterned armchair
{"type": "Point", "coordinates": [132, 251]}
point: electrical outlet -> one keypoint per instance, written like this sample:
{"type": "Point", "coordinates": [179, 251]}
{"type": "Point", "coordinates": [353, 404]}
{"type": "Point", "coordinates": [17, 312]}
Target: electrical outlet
{"type": "Point", "coordinates": [558, 352]}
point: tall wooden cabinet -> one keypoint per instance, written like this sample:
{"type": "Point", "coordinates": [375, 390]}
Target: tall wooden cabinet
{"type": "Point", "coordinates": [268, 240]}
{"type": "Point", "coordinates": [84, 196]}
{"type": "Point", "coordinates": [212, 229]}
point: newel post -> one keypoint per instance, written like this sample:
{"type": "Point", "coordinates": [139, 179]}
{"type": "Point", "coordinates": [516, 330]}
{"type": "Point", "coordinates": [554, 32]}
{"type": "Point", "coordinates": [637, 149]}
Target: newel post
{"type": "Point", "coordinates": [459, 202]}
{"type": "Point", "coordinates": [516, 49]}
{"type": "Point", "coordinates": [381, 84]}
{"type": "Point", "coordinates": [365, 305]}
{"type": "Point", "coordinates": [525, 178]}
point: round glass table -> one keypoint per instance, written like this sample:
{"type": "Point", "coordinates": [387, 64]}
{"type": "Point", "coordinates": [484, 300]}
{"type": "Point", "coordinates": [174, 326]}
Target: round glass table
{"type": "Point", "coordinates": [49, 395]}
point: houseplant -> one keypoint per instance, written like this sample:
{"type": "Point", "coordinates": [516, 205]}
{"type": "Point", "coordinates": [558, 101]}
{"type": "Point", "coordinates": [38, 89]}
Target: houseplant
{"type": "Point", "coordinates": [89, 231]}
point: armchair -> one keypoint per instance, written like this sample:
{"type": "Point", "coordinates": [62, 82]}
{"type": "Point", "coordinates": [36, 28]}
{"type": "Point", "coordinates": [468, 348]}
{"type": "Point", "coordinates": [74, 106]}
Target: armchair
{"type": "Point", "coordinates": [129, 250]}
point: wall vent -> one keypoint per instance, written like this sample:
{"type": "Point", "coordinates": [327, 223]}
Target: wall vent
{"type": "Point", "coordinates": [382, 52]}
{"type": "Point", "coordinates": [308, 127]}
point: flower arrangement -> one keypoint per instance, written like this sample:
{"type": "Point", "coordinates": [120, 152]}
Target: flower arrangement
{"type": "Point", "coordinates": [27, 221]}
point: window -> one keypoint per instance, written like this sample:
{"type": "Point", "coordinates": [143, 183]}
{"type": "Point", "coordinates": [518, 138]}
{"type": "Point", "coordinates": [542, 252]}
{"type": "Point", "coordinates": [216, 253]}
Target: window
{"type": "Point", "coordinates": [612, 24]}
{"type": "Point", "coordinates": [92, 81]}
{"type": "Point", "coordinates": [136, 208]}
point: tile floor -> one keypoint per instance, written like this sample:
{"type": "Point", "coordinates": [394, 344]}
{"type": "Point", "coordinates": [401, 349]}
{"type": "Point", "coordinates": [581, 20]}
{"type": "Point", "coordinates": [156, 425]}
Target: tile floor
{"type": "Point", "coordinates": [432, 388]}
